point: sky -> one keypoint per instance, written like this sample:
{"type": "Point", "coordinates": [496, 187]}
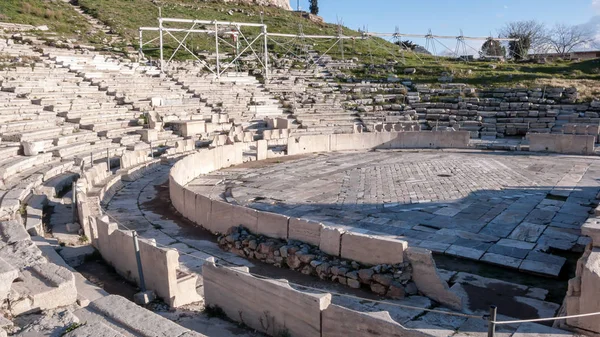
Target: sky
{"type": "Point", "coordinates": [449, 17]}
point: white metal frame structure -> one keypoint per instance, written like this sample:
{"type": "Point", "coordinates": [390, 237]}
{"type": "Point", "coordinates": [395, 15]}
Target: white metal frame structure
{"type": "Point", "coordinates": [264, 36]}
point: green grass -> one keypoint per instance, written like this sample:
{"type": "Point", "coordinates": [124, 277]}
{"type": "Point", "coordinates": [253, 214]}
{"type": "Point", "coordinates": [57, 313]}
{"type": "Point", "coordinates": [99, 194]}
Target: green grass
{"type": "Point", "coordinates": [126, 16]}
{"type": "Point", "coordinates": [117, 14]}
{"type": "Point", "coordinates": [57, 15]}
{"type": "Point", "coordinates": [481, 74]}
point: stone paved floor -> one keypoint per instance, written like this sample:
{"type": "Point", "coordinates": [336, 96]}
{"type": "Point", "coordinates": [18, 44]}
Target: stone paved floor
{"type": "Point", "coordinates": [498, 207]}
{"type": "Point", "coordinates": [136, 206]}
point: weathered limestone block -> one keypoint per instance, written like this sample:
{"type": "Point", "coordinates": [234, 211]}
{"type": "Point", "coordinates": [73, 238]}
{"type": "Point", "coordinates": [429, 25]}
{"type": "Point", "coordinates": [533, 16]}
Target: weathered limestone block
{"type": "Point", "coordinates": [372, 250]}
{"type": "Point", "coordinates": [148, 135]}
{"type": "Point", "coordinates": [93, 329]}
{"type": "Point", "coordinates": [309, 144]}
{"type": "Point", "coordinates": [202, 211]}
{"type": "Point", "coordinates": [189, 203]}
{"type": "Point", "coordinates": [428, 280]}
{"type": "Point", "coordinates": [33, 223]}
{"type": "Point", "coordinates": [44, 286]}
{"type": "Point", "coordinates": [305, 231]}
{"type": "Point", "coordinates": [12, 232]}
{"type": "Point", "coordinates": [273, 225]}
{"type": "Point", "coordinates": [262, 304]}
{"type": "Point", "coordinates": [591, 228]}
{"type": "Point", "coordinates": [560, 143]}
{"type": "Point", "coordinates": [221, 217]}
{"type": "Point", "coordinates": [7, 275]}
{"type": "Point", "coordinates": [331, 240]}
{"type": "Point", "coordinates": [245, 216]}
{"type": "Point", "coordinates": [343, 322]}
{"type": "Point", "coordinates": [131, 316]}
{"type": "Point", "coordinates": [32, 148]}
{"type": "Point", "coordinates": [261, 149]}
{"type": "Point", "coordinates": [586, 302]}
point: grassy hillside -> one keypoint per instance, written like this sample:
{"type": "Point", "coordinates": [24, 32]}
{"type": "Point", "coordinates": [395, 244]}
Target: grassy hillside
{"type": "Point", "coordinates": [118, 14]}
{"type": "Point", "coordinates": [57, 15]}
{"type": "Point", "coordinates": [126, 16]}
{"type": "Point", "coordinates": [482, 74]}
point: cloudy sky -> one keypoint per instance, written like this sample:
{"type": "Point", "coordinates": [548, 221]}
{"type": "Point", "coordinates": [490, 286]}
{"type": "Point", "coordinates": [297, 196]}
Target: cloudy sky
{"type": "Point", "coordinates": [449, 17]}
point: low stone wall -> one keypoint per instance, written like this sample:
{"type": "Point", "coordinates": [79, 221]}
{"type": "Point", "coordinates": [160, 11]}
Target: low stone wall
{"type": "Point", "coordinates": [582, 293]}
{"type": "Point", "coordinates": [160, 266]}
{"type": "Point", "coordinates": [133, 158]}
{"type": "Point", "coordinates": [561, 143]}
{"type": "Point", "coordinates": [390, 280]}
{"type": "Point", "coordinates": [289, 311]}
{"type": "Point", "coordinates": [219, 216]}
{"type": "Point", "coordinates": [269, 306]}
{"type": "Point", "coordinates": [377, 140]}
{"type": "Point", "coordinates": [241, 297]}
{"type": "Point", "coordinates": [342, 322]}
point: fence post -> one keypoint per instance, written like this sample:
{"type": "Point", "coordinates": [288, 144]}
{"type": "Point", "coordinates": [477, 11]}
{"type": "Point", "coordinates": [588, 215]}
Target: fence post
{"type": "Point", "coordinates": [138, 258]}
{"type": "Point", "coordinates": [92, 158]}
{"type": "Point", "coordinates": [74, 200]}
{"type": "Point", "coordinates": [107, 160]}
{"type": "Point", "coordinates": [491, 324]}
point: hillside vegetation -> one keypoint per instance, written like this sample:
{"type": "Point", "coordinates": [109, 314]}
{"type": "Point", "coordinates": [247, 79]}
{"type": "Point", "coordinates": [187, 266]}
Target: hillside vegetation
{"type": "Point", "coordinates": [59, 16]}
{"type": "Point", "coordinates": [126, 16]}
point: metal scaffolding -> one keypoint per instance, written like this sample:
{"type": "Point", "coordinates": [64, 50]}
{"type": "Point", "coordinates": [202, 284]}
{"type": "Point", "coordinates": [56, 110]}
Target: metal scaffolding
{"type": "Point", "coordinates": [234, 30]}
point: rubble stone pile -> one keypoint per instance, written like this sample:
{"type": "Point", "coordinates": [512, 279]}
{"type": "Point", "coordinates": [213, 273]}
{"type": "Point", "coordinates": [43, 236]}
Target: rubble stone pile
{"type": "Point", "coordinates": [393, 281]}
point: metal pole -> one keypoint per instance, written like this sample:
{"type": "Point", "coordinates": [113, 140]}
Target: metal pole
{"type": "Point", "coordinates": [138, 258]}
{"type": "Point", "coordinates": [141, 42]}
{"type": "Point", "coordinates": [217, 48]}
{"type": "Point", "coordinates": [266, 53]}
{"type": "Point", "coordinates": [151, 150]}
{"type": "Point", "coordinates": [92, 159]}
{"type": "Point", "coordinates": [107, 160]}
{"type": "Point", "coordinates": [74, 200]}
{"type": "Point", "coordinates": [160, 31]}
{"type": "Point", "coordinates": [491, 325]}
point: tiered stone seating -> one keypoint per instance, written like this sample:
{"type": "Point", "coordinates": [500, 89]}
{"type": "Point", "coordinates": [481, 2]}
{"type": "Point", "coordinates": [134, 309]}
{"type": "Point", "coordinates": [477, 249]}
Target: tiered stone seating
{"type": "Point", "coordinates": [317, 104]}
{"type": "Point", "coordinates": [41, 284]}
{"type": "Point", "coordinates": [12, 49]}
{"type": "Point", "coordinates": [234, 98]}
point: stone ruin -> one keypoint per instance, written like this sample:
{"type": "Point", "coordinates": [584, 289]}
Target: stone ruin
{"type": "Point", "coordinates": [84, 135]}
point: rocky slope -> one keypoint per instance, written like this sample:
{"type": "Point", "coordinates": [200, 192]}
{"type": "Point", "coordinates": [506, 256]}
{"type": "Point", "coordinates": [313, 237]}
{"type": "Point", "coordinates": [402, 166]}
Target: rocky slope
{"type": "Point", "coordinates": [285, 4]}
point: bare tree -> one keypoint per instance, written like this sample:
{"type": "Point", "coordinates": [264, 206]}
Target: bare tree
{"type": "Point", "coordinates": [531, 34]}
{"type": "Point", "coordinates": [564, 38]}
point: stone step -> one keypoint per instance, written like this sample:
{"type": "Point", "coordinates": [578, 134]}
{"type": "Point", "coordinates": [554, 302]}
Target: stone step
{"type": "Point", "coordinates": [25, 125]}
{"type": "Point", "coordinates": [81, 105]}
{"type": "Point", "coordinates": [128, 139]}
{"type": "Point", "coordinates": [47, 117]}
{"type": "Point", "coordinates": [50, 132]}
{"type": "Point", "coordinates": [53, 186]}
{"type": "Point", "coordinates": [129, 319]}
{"type": "Point", "coordinates": [52, 90]}
{"type": "Point", "coordinates": [12, 166]}
{"type": "Point", "coordinates": [120, 132]}
{"type": "Point", "coordinates": [42, 285]}
{"type": "Point", "coordinates": [25, 108]}
{"type": "Point", "coordinates": [72, 113]}
{"type": "Point", "coordinates": [100, 118]}
{"type": "Point", "coordinates": [98, 155]}
{"type": "Point", "coordinates": [76, 137]}
{"type": "Point", "coordinates": [106, 126]}
{"type": "Point", "coordinates": [82, 149]}
{"type": "Point", "coordinates": [35, 206]}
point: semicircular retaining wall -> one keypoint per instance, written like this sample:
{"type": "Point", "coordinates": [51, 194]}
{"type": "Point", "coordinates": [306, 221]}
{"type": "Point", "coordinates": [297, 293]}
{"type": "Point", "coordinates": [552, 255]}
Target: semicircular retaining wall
{"type": "Point", "coordinates": [218, 216]}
